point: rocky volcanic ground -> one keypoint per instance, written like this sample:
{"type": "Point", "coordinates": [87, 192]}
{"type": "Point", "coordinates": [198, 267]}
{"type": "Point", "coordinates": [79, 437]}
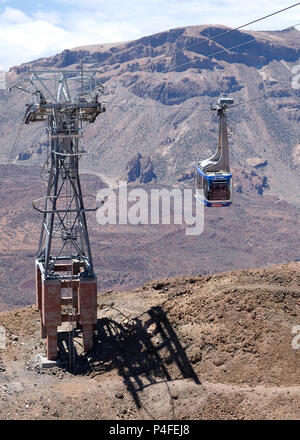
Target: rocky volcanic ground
{"type": "Point", "coordinates": [211, 347]}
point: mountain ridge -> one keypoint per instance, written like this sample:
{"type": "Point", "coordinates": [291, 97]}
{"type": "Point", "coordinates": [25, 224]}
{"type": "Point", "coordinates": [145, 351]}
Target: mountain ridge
{"type": "Point", "coordinates": [162, 111]}
{"type": "Point", "coordinates": [171, 35]}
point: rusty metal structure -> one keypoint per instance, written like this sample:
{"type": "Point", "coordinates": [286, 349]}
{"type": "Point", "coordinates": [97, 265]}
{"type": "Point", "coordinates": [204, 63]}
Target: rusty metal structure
{"type": "Point", "coordinates": [66, 284]}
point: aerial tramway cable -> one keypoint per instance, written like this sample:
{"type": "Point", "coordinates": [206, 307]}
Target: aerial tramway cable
{"type": "Point", "coordinates": [220, 35]}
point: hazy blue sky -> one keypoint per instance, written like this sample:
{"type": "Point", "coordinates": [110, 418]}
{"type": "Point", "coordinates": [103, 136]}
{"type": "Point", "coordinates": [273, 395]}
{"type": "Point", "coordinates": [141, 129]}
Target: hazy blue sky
{"type": "Point", "coordinates": [32, 29]}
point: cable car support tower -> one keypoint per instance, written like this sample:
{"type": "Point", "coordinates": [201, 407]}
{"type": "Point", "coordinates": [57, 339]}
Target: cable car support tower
{"type": "Point", "coordinates": [66, 284]}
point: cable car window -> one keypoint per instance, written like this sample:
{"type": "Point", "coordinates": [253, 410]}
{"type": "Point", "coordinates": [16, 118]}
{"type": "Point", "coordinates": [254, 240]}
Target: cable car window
{"type": "Point", "coordinates": [219, 190]}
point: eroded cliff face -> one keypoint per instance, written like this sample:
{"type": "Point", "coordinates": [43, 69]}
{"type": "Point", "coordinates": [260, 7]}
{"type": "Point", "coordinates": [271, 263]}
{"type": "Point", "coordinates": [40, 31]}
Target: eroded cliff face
{"type": "Point", "coordinates": [140, 169]}
{"type": "Point", "coordinates": [266, 47]}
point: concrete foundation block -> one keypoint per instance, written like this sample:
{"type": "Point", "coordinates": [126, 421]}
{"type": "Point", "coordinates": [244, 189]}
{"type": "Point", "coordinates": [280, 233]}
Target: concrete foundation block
{"type": "Point", "coordinates": [51, 303]}
{"type": "Point", "coordinates": [87, 302]}
{"type": "Point", "coordinates": [46, 363]}
{"type": "Point", "coordinates": [51, 343]}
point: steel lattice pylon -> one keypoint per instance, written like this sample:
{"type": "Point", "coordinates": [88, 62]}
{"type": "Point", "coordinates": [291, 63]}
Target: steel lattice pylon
{"type": "Point", "coordinates": [64, 215]}
{"type": "Point", "coordinates": [65, 100]}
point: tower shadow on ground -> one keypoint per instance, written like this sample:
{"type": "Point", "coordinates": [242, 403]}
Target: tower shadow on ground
{"type": "Point", "coordinates": [130, 350]}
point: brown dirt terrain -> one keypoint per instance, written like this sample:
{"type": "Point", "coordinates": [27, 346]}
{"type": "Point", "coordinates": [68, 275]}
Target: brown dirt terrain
{"type": "Point", "coordinates": [210, 347]}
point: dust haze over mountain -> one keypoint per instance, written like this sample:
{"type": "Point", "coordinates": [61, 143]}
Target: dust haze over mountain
{"type": "Point", "coordinates": [158, 124]}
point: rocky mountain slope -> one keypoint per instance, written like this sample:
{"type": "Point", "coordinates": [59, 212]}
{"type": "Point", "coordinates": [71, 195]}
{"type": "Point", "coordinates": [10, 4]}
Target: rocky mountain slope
{"type": "Point", "coordinates": [161, 110]}
{"type": "Point", "coordinates": [157, 125]}
{"type": "Point", "coordinates": [210, 347]}
{"type": "Point", "coordinates": [255, 231]}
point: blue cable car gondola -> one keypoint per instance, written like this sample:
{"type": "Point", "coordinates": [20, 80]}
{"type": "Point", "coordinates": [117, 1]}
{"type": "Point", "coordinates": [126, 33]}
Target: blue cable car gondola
{"type": "Point", "coordinates": [213, 180]}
